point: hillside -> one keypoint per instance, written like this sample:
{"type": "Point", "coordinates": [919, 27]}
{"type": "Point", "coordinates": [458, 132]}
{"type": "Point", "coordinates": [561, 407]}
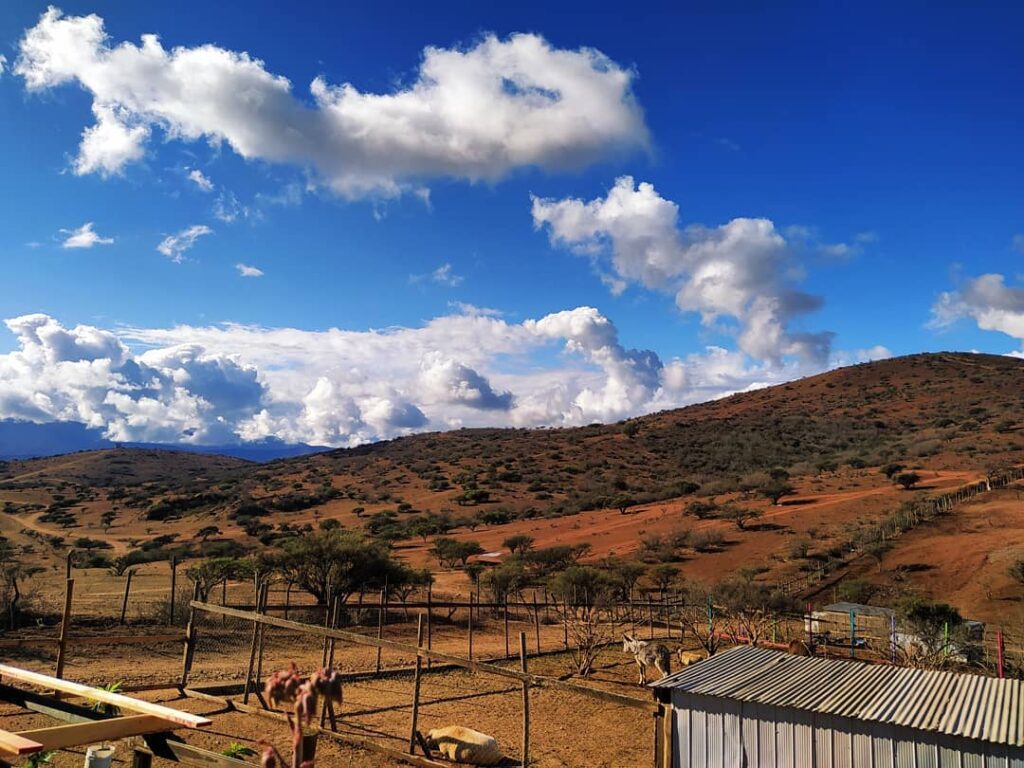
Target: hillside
{"type": "Point", "coordinates": [949, 417]}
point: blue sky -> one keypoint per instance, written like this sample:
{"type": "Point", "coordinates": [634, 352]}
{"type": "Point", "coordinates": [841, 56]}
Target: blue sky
{"type": "Point", "coordinates": [880, 146]}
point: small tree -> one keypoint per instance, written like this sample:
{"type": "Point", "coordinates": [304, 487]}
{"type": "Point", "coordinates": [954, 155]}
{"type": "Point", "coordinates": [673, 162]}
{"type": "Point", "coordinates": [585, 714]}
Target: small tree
{"type": "Point", "coordinates": [623, 502]}
{"type": "Point", "coordinates": [207, 531]}
{"type": "Point", "coordinates": [217, 570]}
{"type": "Point", "coordinates": [450, 552]}
{"type": "Point", "coordinates": [877, 550]}
{"type": "Point", "coordinates": [775, 490]}
{"type": "Point", "coordinates": [520, 543]}
{"type": "Point", "coordinates": [891, 470]}
{"type": "Point", "coordinates": [908, 480]}
{"type": "Point", "coordinates": [741, 515]}
{"type": "Point", "coordinates": [663, 576]}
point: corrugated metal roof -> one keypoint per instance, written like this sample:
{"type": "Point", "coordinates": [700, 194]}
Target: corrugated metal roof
{"type": "Point", "coordinates": [957, 704]}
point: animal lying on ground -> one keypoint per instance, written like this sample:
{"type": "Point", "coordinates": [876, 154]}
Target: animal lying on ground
{"type": "Point", "coordinates": [464, 745]}
{"type": "Point", "coordinates": [799, 648]}
{"type": "Point", "coordinates": [686, 658]}
{"type": "Point", "coordinates": [647, 654]}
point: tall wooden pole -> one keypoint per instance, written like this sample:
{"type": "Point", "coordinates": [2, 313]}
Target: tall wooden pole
{"type": "Point", "coordinates": [174, 588]}
{"type": "Point", "coordinates": [526, 701]}
{"type": "Point", "coordinates": [252, 652]}
{"type": "Point", "coordinates": [416, 684]}
{"type": "Point", "coordinates": [506, 626]}
{"type": "Point", "coordinates": [470, 626]}
{"type": "Point", "coordinates": [124, 600]}
{"type": "Point", "coordinates": [430, 622]}
{"type": "Point", "coordinates": [380, 626]}
{"type": "Point", "coordinates": [65, 627]}
{"type": "Point", "coordinates": [190, 639]}
{"type": "Point", "coordinates": [536, 619]}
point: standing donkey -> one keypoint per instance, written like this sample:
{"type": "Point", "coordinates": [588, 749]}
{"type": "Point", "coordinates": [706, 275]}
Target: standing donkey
{"type": "Point", "coordinates": [646, 654]}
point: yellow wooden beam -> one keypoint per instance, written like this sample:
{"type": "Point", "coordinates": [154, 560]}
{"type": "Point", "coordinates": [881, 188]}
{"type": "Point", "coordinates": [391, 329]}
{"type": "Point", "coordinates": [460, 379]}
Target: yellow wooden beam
{"type": "Point", "coordinates": [82, 734]}
{"type": "Point", "coordinates": [16, 744]}
{"type": "Point", "coordinates": [125, 703]}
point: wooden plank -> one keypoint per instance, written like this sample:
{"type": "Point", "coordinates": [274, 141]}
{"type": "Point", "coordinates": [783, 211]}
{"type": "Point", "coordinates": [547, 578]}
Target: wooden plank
{"type": "Point", "coordinates": [47, 705]}
{"type": "Point", "coordinates": [96, 694]}
{"type": "Point", "coordinates": [16, 744]}
{"type": "Point", "coordinates": [85, 640]}
{"type": "Point", "coordinates": [82, 734]}
{"type": "Point", "coordinates": [458, 661]}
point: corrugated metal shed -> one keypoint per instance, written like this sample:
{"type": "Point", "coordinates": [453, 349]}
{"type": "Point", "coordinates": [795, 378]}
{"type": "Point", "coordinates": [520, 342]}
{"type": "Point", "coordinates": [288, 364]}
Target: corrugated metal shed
{"type": "Point", "coordinates": [955, 704]}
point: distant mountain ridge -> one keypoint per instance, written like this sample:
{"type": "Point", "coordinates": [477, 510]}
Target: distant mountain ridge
{"type": "Point", "coordinates": [28, 440]}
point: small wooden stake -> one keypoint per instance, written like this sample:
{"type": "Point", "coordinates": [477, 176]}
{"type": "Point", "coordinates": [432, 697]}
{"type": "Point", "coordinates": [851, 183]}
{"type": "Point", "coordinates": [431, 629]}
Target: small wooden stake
{"type": "Point", "coordinates": [124, 600]}
{"type": "Point", "coordinates": [416, 684]}
{"type": "Point", "coordinates": [526, 700]}
{"type": "Point", "coordinates": [65, 627]}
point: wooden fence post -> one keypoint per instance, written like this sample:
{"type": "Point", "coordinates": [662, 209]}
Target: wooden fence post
{"type": "Point", "coordinates": [124, 600]}
{"type": "Point", "coordinates": [430, 622]}
{"type": "Point", "coordinates": [174, 588]}
{"type": "Point", "coordinates": [416, 684]}
{"type": "Point", "coordinates": [263, 633]}
{"type": "Point", "coordinates": [65, 627]}
{"type": "Point", "coordinates": [190, 639]}
{"type": "Point", "coordinates": [69, 563]}
{"type": "Point", "coordinates": [506, 626]}
{"type": "Point", "coordinates": [380, 625]}
{"type": "Point", "coordinates": [526, 700]}
{"type": "Point", "coordinates": [470, 626]}
{"type": "Point", "coordinates": [650, 615]}
{"type": "Point", "coordinates": [252, 652]}
{"type": "Point", "coordinates": [565, 623]}
{"type": "Point", "coordinates": [536, 620]}
{"type": "Point", "coordinates": [287, 598]}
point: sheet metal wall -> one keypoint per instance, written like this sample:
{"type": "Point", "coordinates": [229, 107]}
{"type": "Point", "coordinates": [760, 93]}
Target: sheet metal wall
{"type": "Point", "coordinates": [714, 732]}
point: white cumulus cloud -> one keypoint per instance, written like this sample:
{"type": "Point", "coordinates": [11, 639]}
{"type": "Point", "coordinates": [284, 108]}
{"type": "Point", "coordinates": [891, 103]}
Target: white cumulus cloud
{"type": "Point", "coordinates": [84, 237]}
{"type": "Point", "coordinates": [471, 113]}
{"type": "Point", "coordinates": [988, 301]}
{"type": "Point", "coordinates": [246, 270]}
{"type": "Point", "coordinates": [742, 271]}
{"type": "Point", "coordinates": [201, 180]}
{"type": "Point", "coordinates": [174, 246]}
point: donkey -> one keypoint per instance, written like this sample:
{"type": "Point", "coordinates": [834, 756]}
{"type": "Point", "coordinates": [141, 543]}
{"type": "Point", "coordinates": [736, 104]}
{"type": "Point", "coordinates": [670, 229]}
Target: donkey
{"type": "Point", "coordinates": [646, 654]}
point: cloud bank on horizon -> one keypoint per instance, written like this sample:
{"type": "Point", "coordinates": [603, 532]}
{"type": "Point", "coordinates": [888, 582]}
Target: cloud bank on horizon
{"type": "Point", "coordinates": [231, 383]}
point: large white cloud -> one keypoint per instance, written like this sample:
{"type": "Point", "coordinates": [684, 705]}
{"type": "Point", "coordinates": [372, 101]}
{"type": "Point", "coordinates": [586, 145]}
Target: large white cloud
{"type": "Point", "coordinates": [226, 383]}
{"type": "Point", "coordinates": [742, 270]}
{"type": "Point", "coordinates": [473, 113]}
{"type": "Point", "coordinates": [989, 301]}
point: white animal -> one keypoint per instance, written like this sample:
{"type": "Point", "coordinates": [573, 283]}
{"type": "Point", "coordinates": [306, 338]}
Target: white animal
{"type": "Point", "coordinates": [464, 745]}
{"type": "Point", "coordinates": [647, 654]}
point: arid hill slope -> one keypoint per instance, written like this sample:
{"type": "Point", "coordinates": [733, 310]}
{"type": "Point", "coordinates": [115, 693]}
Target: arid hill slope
{"type": "Point", "coordinates": [947, 410]}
